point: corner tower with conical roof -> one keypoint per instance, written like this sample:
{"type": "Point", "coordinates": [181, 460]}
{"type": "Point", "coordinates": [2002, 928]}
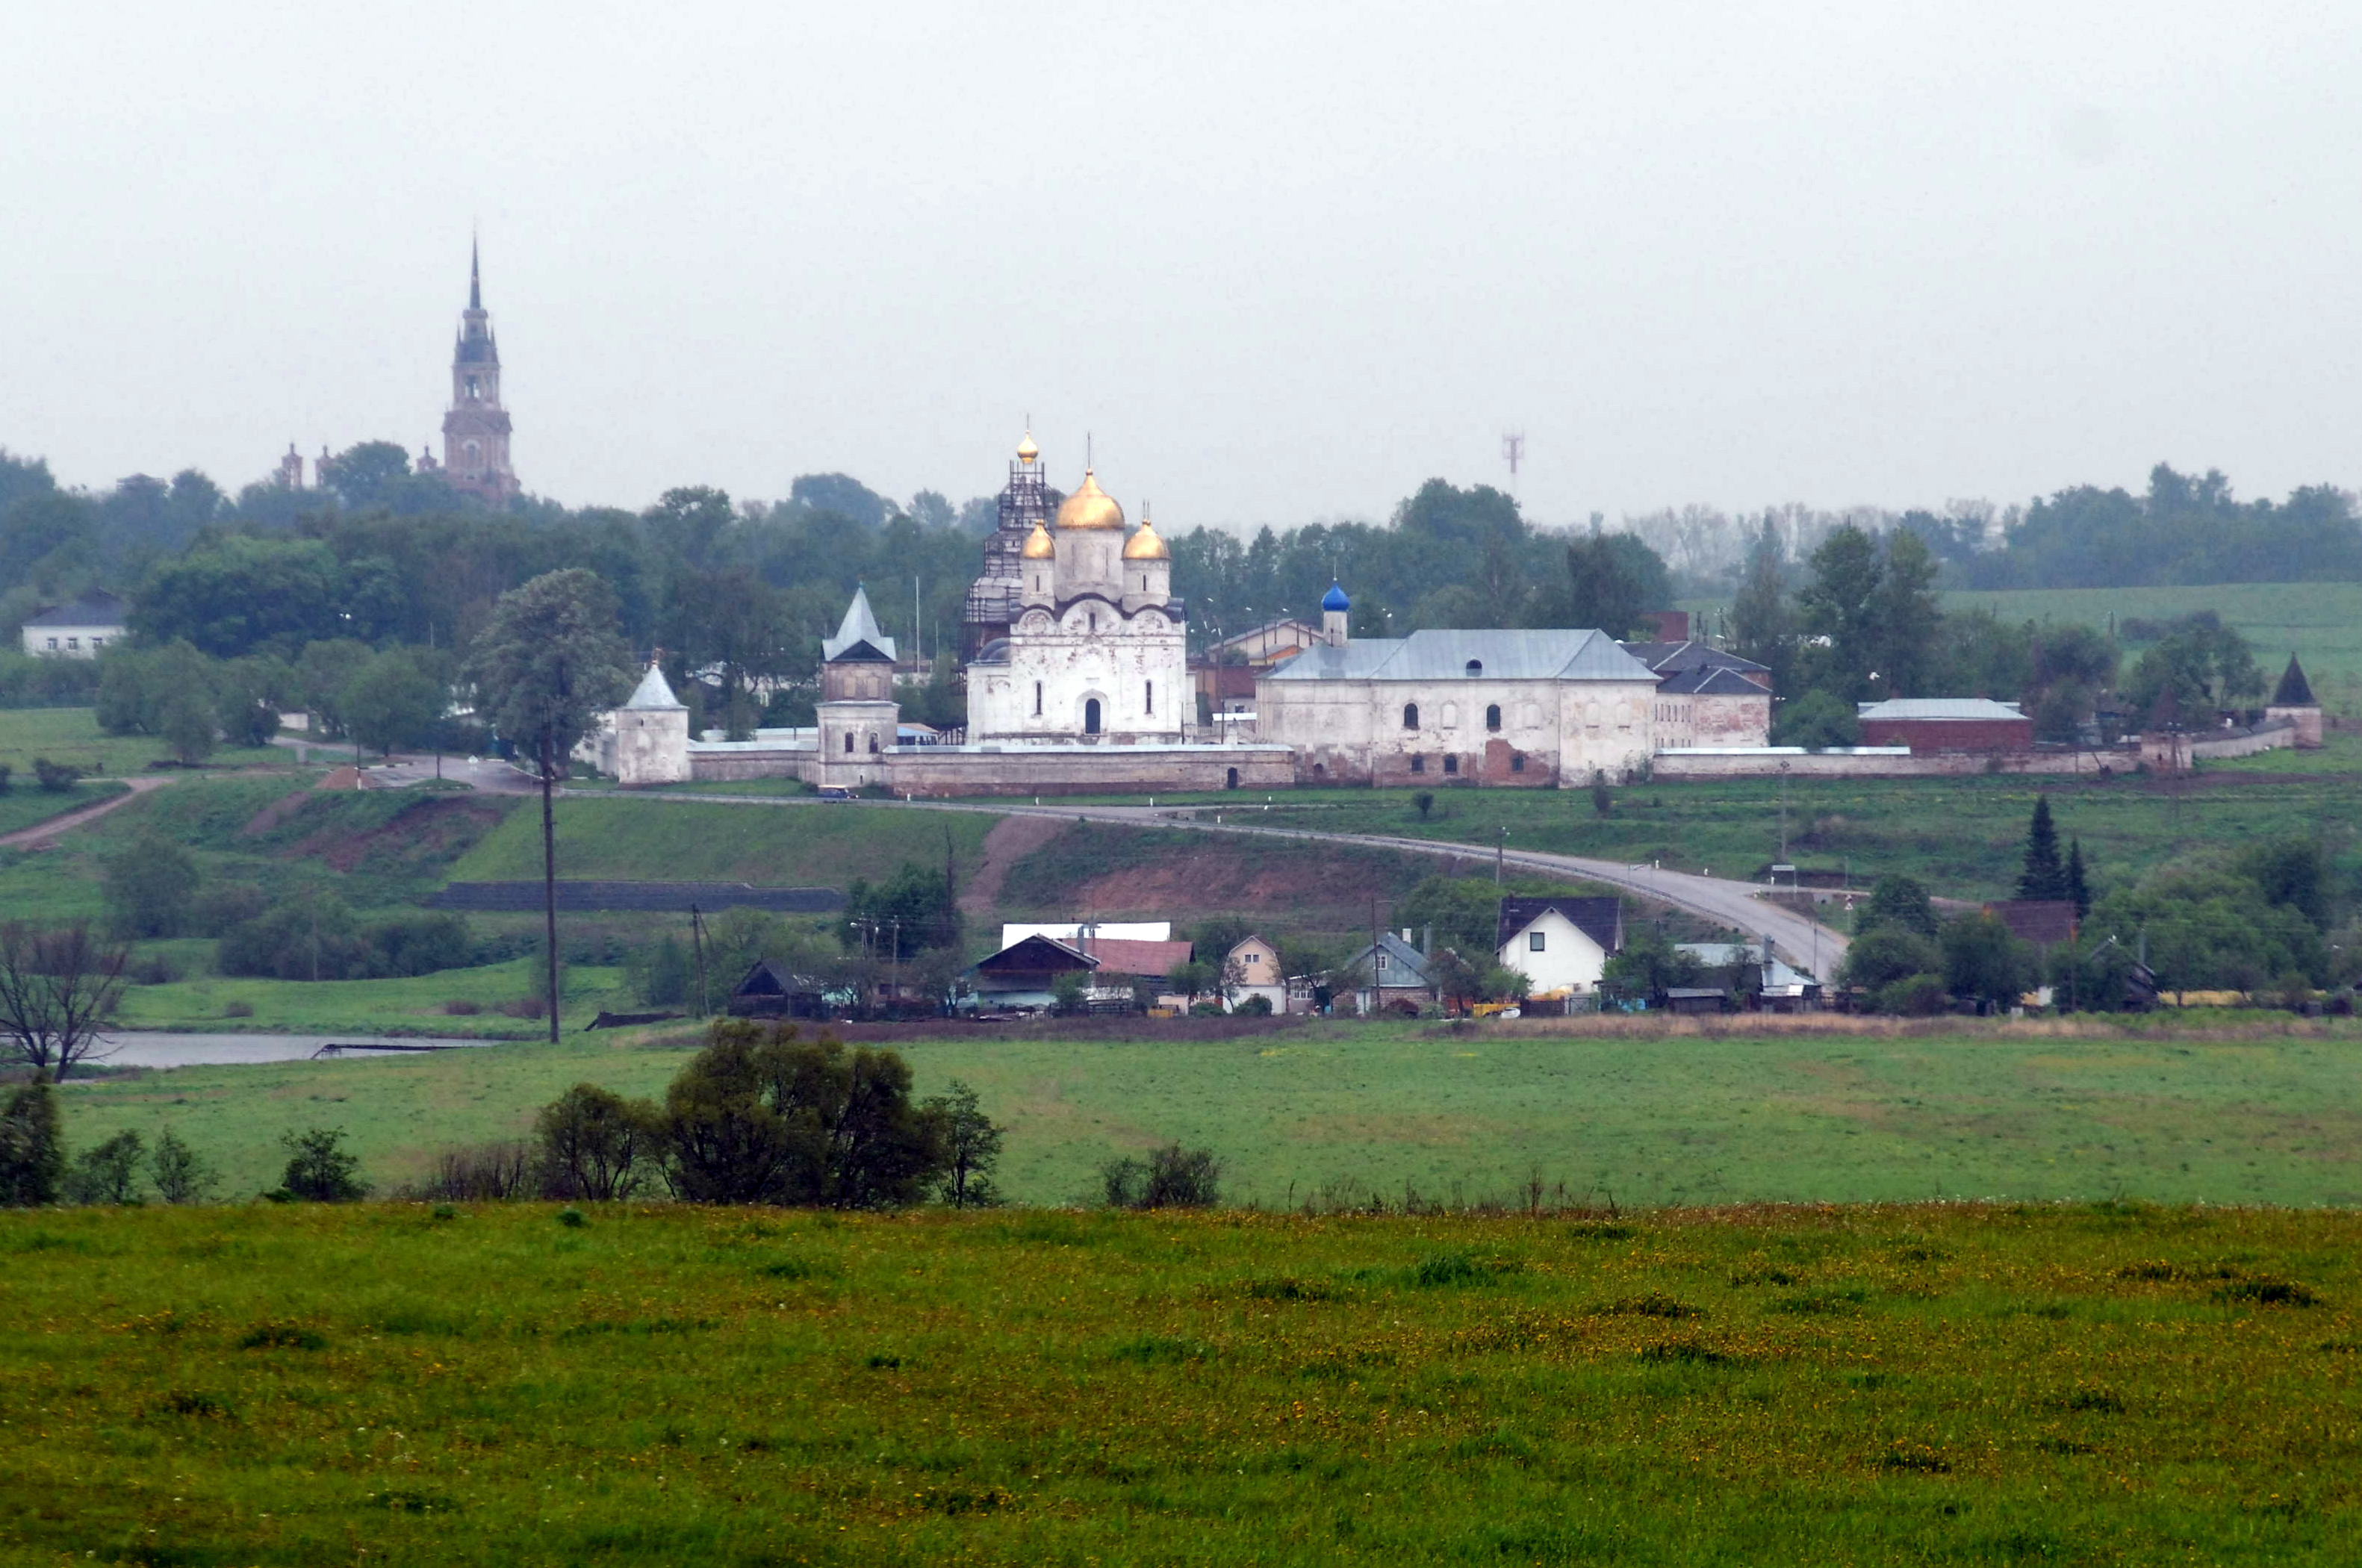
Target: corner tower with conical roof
{"type": "Point", "coordinates": [2294, 704]}
{"type": "Point", "coordinates": [476, 427]}
{"type": "Point", "coordinates": [859, 719]}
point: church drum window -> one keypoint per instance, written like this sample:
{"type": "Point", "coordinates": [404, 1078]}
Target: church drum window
{"type": "Point", "coordinates": [1091, 716]}
{"type": "Point", "coordinates": [1410, 715]}
{"type": "Point", "coordinates": [1152, 697]}
{"type": "Point", "coordinates": [1493, 716]}
{"type": "Point", "coordinates": [1037, 699]}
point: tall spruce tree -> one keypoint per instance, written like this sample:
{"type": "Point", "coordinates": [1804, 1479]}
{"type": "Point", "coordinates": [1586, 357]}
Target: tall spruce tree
{"type": "Point", "coordinates": [32, 1153]}
{"type": "Point", "coordinates": [2077, 888]}
{"type": "Point", "coordinates": [2044, 877]}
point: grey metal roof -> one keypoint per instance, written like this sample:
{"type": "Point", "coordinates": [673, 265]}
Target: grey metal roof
{"type": "Point", "coordinates": [1445, 656]}
{"type": "Point", "coordinates": [859, 626]}
{"type": "Point", "coordinates": [654, 692]}
{"type": "Point", "coordinates": [1667, 657]}
{"type": "Point", "coordinates": [1405, 965]}
{"type": "Point", "coordinates": [1712, 680]}
{"type": "Point", "coordinates": [1939, 708]}
{"type": "Point", "coordinates": [97, 608]}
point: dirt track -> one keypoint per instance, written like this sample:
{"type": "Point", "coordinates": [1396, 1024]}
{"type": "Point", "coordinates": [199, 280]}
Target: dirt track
{"type": "Point", "coordinates": [40, 836]}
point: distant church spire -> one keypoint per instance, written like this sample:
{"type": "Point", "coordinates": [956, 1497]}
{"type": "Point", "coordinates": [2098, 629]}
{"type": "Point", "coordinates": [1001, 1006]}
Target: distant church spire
{"type": "Point", "coordinates": [476, 428]}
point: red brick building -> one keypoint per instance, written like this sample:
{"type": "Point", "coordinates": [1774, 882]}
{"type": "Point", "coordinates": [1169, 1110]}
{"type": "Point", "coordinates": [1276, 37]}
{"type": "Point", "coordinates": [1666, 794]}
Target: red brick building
{"type": "Point", "coordinates": [1929, 725]}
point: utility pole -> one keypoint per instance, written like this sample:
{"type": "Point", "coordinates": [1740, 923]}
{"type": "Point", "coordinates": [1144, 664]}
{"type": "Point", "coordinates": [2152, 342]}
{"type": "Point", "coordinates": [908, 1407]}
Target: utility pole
{"type": "Point", "coordinates": [1500, 853]}
{"type": "Point", "coordinates": [1513, 447]}
{"type": "Point", "coordinates": [697, 939]}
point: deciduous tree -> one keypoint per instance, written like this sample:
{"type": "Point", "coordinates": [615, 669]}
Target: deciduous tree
{"type": "Point", "coordinates": [58, 985]}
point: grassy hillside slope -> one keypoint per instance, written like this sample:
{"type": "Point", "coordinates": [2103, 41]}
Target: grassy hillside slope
{"type": "Point", "coordinates": [1653, 1114]}
{"type": "Point", "coordinates": [381, 1384]}
{"type": "Point", "coordinates": [1964, 837]}
{"type": "Point", "coordinates": [795, 845]}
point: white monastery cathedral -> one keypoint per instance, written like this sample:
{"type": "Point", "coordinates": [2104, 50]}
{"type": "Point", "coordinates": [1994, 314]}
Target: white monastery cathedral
{"type": "Point", "coordinates": [1079, 680]}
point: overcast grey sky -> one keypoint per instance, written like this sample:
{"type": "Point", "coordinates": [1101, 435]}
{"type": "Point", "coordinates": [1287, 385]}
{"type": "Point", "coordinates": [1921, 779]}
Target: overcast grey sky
{"type": "Point", "coordinates": [1285, 261]}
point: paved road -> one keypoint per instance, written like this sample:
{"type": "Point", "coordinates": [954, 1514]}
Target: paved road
{"type": "Point", "coordinates": [1805, 943]}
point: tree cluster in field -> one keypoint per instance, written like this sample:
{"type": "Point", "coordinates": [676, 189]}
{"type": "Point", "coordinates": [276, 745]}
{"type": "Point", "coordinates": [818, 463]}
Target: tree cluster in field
{"type": "Point", "coordinates": [760, 1115]}
{"type": "Point", "coordinates": [2253, 919]}
{"type": "Point", "coordinates": [298, 930]}
{"type": "Point", "coordinates": [35, 1172]}
{"type": "Point", "coordinates": [378, 699]}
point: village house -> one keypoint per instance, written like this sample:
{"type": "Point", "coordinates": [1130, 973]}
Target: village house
{"type": "Point", "coordinates": [1389, 975]}
{"type": "Point", "coordinates": [1255, 963]}
{"type": "Point", "coordinates": [79, 629]}
{"type": "Point", "coordinates": [1560, 945]}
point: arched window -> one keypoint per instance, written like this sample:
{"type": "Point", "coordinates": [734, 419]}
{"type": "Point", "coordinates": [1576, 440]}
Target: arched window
{"type": "Point", "coordinates": [1037, 699]}
{"type": "Point", "coordinates": [873, 744]}
{"type": "Point", "coordinates": [1451, 765]}
{"type": "Point", "coordinates": [1233, 779]}
{"type": "Point", "coordinates": [1475, 666]}
{"type": "Point", "coordinates": [1451, 715]}
{"type": "Point", "coordinates": [1152, 696]}
{"type": "Point", "coordinates": [1091, 716]}
{"type": "Point", "coordinates": [848, 740]}
{"type": "Point", "coordinates": [1410, 715]}
{"type": "Point", "coordinates": [1493, 716]}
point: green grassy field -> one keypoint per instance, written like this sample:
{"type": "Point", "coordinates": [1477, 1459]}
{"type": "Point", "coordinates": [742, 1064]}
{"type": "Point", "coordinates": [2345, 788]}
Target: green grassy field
{"type": "Point", "coordinates": [25, 805]}
{"type": "Point", "coordinates": [2321, 622]}
{"type": "Point", "coordinates": [1648, 1112]}
{"type": "Point", "coordinates": [412, 1005]}
{"type": "Point", "coordinates": [384, 1384]}
{"type": "Point", "coordinates": [72, 735]}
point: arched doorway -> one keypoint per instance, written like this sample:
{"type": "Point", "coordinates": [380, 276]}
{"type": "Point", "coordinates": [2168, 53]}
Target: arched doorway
{"type": "Point", "coordinates": [1233, 782]}
{"type": "Point", "coordinates": [1091, 716]}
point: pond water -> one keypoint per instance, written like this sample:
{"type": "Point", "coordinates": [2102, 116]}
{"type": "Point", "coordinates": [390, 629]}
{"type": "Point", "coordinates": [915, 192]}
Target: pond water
{"type": "Point", "coordinates": [144, 1050]}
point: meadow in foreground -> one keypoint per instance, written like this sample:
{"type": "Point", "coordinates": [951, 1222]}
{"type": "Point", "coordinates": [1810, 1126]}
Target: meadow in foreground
{"type": "Point", "coordinates": [401, 1384]}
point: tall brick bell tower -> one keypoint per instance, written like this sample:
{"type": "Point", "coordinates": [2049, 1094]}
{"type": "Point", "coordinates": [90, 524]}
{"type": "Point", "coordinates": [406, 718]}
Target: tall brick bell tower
{"type": "Point", "coordinates": [476, 430]}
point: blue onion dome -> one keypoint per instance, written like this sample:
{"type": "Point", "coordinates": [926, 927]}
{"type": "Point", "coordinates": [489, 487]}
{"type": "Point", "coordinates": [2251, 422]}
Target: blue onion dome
{"type": "Point", "coordinates": [1335, 598]}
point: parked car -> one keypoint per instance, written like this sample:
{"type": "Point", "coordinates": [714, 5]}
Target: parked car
{"type": "Point", "coordinates": [835, 792]}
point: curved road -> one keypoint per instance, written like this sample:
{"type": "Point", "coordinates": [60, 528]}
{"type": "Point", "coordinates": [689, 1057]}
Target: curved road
{"type": "Point", "coordinates": [1805, 943]}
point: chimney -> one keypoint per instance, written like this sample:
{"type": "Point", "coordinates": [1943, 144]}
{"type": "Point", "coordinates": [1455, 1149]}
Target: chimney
{"type": "Point", "coordinates": [1427, 939]}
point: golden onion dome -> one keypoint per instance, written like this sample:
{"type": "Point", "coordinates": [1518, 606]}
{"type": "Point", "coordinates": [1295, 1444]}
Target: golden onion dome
{"type": "Point", "coordinates": [1145, 545]}
{"type": "Point", "coordinates": [1026, 451]}
{"type": "Point", "coordinates": [1089, 507]}
{"type": "Point", "coordinates": [1038, 546]}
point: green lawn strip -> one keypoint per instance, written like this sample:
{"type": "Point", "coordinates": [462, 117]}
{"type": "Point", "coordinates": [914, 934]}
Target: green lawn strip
{"type": "Point", "coordinates": [665, 1386]}
{"type": "Point", "coordinates": [25, 806]}
{"type": "Point", "coordinates": [1645, 1113]}
{"type": "Point", "coordinates": [409, 1005]}
{"type": "Point", "coordinates": [72, 735]}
